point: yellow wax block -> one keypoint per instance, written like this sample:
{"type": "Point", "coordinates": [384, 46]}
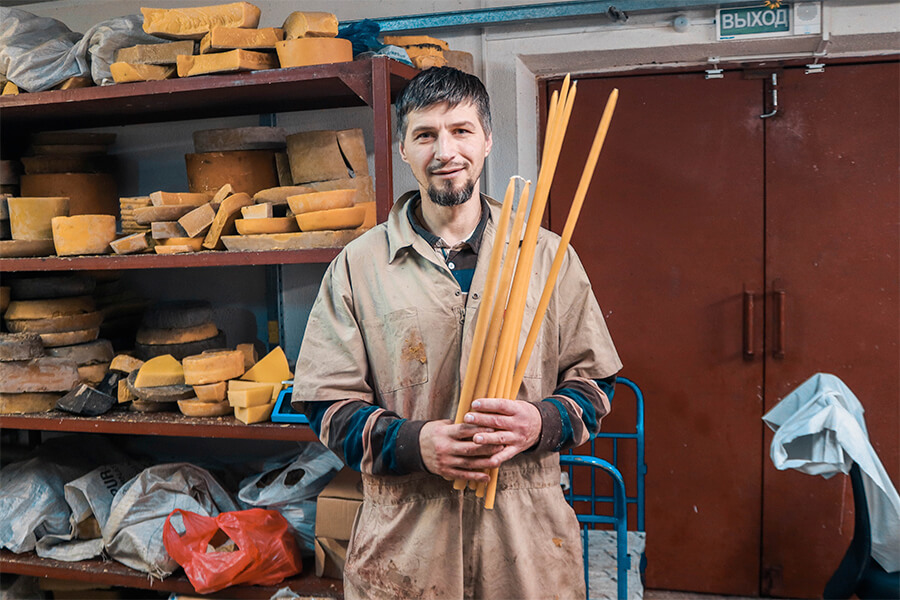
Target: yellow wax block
{"type": "Point", "coordinates": [303, 24]}
{"type": "Point", "coordinates": [302, 52]}
{"type": "Point", "coordinates": [194, 23]}
{"type": "Point", "coordinates": [225, 62]}
{"type": "Point", "coordinates": [30, 217]}
{"type": "Point", "coordinates": [125, 363]}
{"type": "Point", "coordinates": [124, 72]}
{"type": "Point", "coordinates": [249, 397]}
{"type": "Point", "coordinates": [415, 40]}
{"type": "Point", "coordinates": [238, 384]}
{"type": "Point", "coordinates": [83, 234]}
{"type": "Point", "coordinates": [254, 414]}
{"type": "Point", "coordinates": [335, 218]}
{"type": "Point", "coordinates": [213, 367]}
{"type": "Point", "coordinates": [230, 38]}
{"type": "Point", "coordinates": [272, 368]}
{"type": "Point", "coordinates": [249, 352]}
{"type": "Point", "coordinates": [324, 200]}
{"type": "Point", "coordinates": [160, 371]}
{"type": "Point", "coordinates": [211, 392]}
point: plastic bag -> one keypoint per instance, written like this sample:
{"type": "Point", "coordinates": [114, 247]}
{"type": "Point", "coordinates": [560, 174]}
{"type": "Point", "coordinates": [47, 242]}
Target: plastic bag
{"type": "Point", "coordinates": [37, 53]}
{"type": "Point", "coordinates": [133, 532]}
{"type": "Point", "coordinates": [32, 502]}
{"type": "Point", "coordinates": [290, 484]}
{"type": "Point", "coordinates": [89, 498]}
{"type": "Point", "coordinates": [264, 554]}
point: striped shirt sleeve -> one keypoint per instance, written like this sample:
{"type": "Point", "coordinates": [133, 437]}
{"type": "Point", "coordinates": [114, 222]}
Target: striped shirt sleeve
{"type": "Point", "coordinates": [366, 437]}
{"type": "Point", "coordinates": [573, 412]}
{"type": "Point", "coordinates": [376, 441]}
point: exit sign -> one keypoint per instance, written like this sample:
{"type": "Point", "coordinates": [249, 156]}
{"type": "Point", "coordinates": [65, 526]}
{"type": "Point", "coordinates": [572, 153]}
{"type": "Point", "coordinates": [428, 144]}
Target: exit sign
{"type": "Point", "coordinates": [753, 22]}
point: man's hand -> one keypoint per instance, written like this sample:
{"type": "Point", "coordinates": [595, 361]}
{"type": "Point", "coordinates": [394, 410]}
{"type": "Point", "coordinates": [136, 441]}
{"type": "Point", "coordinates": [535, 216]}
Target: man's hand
{"type": "Point", "coordinates": [448, 451]}
{"type": "Point", "coordinates": [513, 424]}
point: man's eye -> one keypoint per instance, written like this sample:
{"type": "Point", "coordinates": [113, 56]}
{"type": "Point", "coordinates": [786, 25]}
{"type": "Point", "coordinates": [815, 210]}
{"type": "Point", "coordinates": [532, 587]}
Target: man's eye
{"type": "Point", "coordinates": [424, 136]}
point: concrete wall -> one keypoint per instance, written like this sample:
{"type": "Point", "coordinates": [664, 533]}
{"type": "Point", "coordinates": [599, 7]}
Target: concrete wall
{"type": "Point", "coordinates": [510, 59]}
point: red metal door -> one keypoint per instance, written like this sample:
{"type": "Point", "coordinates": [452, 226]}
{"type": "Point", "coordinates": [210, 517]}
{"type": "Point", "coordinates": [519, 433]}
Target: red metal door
{"type": "Point", "coordinates": [671, 235]}
{"type": "Point", "coordinates": [832, 215]}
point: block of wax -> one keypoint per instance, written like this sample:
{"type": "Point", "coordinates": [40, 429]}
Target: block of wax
{"type": "Point", "coordinates": [301, 24]}
{"type": "Point", "coordinates": [198, 221]}
{"type": "Point", "coordinates": [180, 198]}
{"type": "Point", "coordinates": [224, 221]}
{"type": "Point", "coordinates": [123, 72]}
{"type": "Point", "coordinates": [231, 38]}
{"type": "Point", "coordinates": [83, 234]}
{"type": "Point", "coordinates": [212, 367]}
{"type": "Point", "coordinates": [194, 23]}
{"type": "Point", "coordinates": [336, 218]}
{"type": "Point", "coordinates": [154, 54]}
{"type": "Point", "coordinates": [225, 62]}
{"type": "Point", "coordinates": [326, 200]}
{"type": "Point", "coordinates": [303, 52]}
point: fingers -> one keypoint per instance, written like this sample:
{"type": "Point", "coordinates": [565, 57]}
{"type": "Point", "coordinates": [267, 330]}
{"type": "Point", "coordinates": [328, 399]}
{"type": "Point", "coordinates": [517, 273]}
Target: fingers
{"type": "Point", "coordinates": [448, 451]}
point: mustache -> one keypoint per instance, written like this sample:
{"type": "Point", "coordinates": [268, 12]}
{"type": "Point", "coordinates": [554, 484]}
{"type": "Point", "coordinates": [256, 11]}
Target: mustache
{"type": "Point", "coordinates": [432, 169]}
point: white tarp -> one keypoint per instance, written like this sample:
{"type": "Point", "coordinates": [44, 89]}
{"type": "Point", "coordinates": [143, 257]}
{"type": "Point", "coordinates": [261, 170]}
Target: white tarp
{"type": "Point", "coordinates": [820, 430]}
{"type": "Point", "coordinates": [37, 53]}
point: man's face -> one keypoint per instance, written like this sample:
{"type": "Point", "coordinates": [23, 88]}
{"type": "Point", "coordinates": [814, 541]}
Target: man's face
{"type": "Point", "coordinates": [445, 148]}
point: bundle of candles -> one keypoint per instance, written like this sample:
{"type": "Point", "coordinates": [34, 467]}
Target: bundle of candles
{"type": "Point", "coordinates": [492, 370]}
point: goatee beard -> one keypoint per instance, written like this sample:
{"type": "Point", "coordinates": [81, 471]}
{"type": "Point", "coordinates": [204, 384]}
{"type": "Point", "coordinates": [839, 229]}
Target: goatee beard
{"type": "Point", "coordinates": [450, 196]}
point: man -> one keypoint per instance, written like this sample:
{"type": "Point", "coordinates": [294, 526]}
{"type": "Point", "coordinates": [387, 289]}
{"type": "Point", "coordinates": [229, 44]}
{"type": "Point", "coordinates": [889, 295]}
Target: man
{"type": "Point", "coordinates": [382, 361]}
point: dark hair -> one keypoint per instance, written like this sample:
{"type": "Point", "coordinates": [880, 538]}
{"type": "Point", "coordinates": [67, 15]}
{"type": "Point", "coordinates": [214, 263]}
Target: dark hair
{"type": "Point", "coordinates": [443, 84]}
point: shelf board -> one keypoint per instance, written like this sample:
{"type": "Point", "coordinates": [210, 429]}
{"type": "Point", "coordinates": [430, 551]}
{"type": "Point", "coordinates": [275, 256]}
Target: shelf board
{"type": "Point", "coordinates": [210, 258]}
{"type": "Point", "coordinates": [113, 573]}
{"type": "Point", "coordinates": [209, 96]}
{"type": "Point", "coordinates": [160, 423]}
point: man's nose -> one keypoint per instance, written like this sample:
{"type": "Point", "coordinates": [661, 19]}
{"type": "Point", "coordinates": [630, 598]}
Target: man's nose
{"type": "Point", "coordinates": [444, 147]}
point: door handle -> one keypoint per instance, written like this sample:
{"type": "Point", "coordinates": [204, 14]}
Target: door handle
{"type": "Point", "coordinates": [748, 325]}
{"type": "Point", "coordinates": [778, 295]}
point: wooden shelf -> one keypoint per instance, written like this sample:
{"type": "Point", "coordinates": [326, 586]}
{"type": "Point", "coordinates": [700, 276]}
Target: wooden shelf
{"type": "Point", "coordinates": [212, 258]}
{"type": "Point", "coordinates": [256, 92]}
{"type": "Point", "coordinates": [113, 573]}
{"type": "Point", "coordinates": [160, 423]}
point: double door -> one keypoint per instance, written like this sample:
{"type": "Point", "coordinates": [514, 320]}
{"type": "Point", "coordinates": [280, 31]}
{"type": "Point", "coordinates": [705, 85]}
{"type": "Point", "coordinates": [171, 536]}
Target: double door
{"type": "Point", "coordinates": [734, 257]}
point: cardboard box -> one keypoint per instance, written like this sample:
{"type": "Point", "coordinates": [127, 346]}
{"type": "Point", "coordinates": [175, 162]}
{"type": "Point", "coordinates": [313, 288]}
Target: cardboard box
{"type": "Point", "coordinates": [336, 509]}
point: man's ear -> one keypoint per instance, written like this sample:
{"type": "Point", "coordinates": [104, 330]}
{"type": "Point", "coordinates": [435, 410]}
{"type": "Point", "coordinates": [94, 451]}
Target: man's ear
{"type": "Point", "coordinates": [488, 144]}
{"type": "Point", "coordinates": [403, 152]}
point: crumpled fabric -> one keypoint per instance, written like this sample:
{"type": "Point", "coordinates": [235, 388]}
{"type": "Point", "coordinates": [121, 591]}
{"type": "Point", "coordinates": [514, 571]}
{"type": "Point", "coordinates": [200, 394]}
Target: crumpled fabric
{"type": "Point", "coordinates": [820, 430]}
{"type": "Point", "coordinates": [38, 53]}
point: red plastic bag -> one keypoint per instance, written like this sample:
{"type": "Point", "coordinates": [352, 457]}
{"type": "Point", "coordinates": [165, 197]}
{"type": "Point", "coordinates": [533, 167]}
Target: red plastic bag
{"type": "Point", "coordinates": [266, 551]}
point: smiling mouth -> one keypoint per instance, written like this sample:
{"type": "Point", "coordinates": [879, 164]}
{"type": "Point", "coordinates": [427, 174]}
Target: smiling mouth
{"type": "Point", "coordinates": [447, 170]}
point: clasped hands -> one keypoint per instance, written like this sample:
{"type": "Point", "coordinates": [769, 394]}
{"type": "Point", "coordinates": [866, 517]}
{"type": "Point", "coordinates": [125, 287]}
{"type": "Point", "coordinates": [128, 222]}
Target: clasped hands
{"type": "Point", "coordinates": [494, 431]}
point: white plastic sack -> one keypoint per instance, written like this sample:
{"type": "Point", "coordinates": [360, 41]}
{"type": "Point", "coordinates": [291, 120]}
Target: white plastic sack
{"type": "Point", "coordinates": [290, 484]}
{"type": "Point", "coordinates": [101, 42]}
{"type": "Point", "coordinates": [32, 498]}
{"type": "Point", "coordinates": [90, 495]}
{"type": "Point", "coordinates": [133, 532]}
{"type": "Point", "coordinates": [820, 430]}
{"type": "Point", "coordinates": [37, 53]}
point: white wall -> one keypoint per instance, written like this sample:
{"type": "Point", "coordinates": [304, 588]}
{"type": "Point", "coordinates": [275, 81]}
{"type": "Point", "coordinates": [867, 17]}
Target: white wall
{"type": "Point", "coordinates": [510, 60]}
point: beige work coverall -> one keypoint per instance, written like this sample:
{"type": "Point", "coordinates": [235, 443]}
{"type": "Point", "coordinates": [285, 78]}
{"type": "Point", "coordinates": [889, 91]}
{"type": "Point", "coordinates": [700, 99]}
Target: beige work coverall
{"type": "Point", "coordinates": [391, 326]}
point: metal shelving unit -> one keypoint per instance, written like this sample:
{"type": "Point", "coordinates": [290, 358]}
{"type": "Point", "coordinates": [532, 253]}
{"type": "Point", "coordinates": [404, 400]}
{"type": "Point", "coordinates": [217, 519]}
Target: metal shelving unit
{"type": "Point", "coordinates": [372, 82]}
